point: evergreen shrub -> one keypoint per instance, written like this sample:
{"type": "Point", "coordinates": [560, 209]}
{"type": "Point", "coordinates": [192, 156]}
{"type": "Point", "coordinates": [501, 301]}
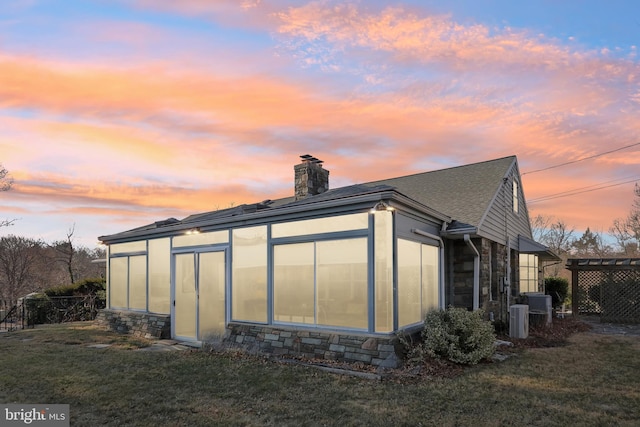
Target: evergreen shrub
{"type": "Point", "coordinates": [83, 287]}
{"type": "Point", "coordinates": [458, 335]}
{"type": "Point", "coordinates": [558, 288]}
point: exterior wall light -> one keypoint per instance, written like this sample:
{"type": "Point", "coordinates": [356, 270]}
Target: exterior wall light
{"type": "Point", "coordinates": [193, 231]}
{"type": "Point", "coordinates": [382, 207]}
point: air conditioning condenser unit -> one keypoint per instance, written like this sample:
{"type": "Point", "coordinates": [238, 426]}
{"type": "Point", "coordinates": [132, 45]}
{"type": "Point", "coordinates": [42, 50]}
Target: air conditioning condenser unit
{"type": "Point", "coordinates": [540, 305]}
{"type": "Point", "coordinates": [519, 321]}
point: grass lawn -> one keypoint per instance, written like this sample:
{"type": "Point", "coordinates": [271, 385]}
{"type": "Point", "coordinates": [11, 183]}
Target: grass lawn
{"type": "Point", "coordinates": [594, 380]}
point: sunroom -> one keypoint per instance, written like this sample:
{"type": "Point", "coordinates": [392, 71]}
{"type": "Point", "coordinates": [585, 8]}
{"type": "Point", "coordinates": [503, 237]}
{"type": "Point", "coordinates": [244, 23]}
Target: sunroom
{"type": "Point", "coordinates": [357, 261]}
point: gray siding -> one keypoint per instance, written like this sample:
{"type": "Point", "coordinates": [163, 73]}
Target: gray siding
{"type": "Point", "coordinates": [500, 221]}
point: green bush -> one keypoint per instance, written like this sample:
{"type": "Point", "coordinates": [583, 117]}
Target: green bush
{"type": "Point", "coordinates": [79, 301]}
{"type": "Point", "coordinates": [458, 335]}
{"type": "Point", "coordinates": [83, 287]}
{"type": "Point", "coordinates": [558, 288]}
{"type": "Point", "coordinates": [37, 307]}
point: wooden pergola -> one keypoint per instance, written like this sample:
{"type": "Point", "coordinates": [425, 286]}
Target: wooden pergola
{"type": "Point", "coordinates": [609, 287]}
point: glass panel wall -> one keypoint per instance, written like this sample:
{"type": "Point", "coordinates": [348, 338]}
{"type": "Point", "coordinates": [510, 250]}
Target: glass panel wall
{"type": "Point", "coordinates": [418, 281]}
{"type": "Point", "coordinates": [159, 275]}
{"type": "Point", "coordinates": [211, 288]}
{"type": "Point", "coordinates": [121, 248]}
{"type": "Point", "coordinates": [341, 283]}
{"type": "Point", "coordinates": [138, 282]}
{"type": "Point", "coordinates": [430, 282]}
{"type": "Point", "coordinates": [409, 283]}
{"type": "Point", "coordinates": [359, 221]}
{"type": "Point", "coordinates": [322, 283]}
{"type": "Point", "coordinates": [128, 275]}
{"type": "Point", "coordinates": [118, 282]}
{"type": "Point", "coordinates": [128, 282]}
{"type": "Point", "coordinates": [185, 295]}
{"type": "Point", "coordinates": [197, 239]}
{"type": "Point", "coordinates": [383, 223]}
{"type": "Point", "coordinates": [294, 283]}
{"type": "Point", "coordinates": [249, 260]}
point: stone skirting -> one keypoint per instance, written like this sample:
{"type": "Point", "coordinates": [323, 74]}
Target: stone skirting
{"type": "Point", "coordinates": [144, 325]}
{"type": "Point", "coordinates": [373, 350]}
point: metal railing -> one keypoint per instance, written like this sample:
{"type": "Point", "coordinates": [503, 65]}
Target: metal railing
{"type": "Point", "coordinates": [11, 316]}
{"type": "Point", "coordinates": [31, 311]}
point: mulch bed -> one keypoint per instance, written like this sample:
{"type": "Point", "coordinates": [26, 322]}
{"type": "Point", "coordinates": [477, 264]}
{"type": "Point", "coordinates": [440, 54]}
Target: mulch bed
{"type": "Point", "coordinates": [550, 336]}
{"type": "Point", "coordinates": [555, 335]}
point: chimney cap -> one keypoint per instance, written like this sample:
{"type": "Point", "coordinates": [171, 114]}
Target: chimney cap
{"type": "Point", "coordinates": [310, 158]}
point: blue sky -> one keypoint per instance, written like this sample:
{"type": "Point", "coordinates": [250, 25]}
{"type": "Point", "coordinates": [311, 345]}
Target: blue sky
{"type": "Point", "coordinates": [114, 114]}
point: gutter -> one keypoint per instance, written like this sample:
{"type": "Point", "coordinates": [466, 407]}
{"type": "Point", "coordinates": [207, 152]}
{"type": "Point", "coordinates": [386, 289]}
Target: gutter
{"type": "Point", "coordinates": [441, 275]}
{"type": "Point", "coordinates": [476, 272]}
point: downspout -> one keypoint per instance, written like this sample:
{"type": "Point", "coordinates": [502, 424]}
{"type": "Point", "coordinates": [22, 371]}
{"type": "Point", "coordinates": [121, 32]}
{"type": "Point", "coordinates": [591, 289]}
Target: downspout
{"type": "Point", "coordinates": [476, 272]}
{"type": "Point", "coordinates": [441, 266]}
{"type": "Point", "coordinates": [508, 278]}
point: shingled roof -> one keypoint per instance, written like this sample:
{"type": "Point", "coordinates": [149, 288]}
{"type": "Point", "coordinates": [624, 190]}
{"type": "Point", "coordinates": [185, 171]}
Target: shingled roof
{"type": "Point", "coordinates": [464, 192]}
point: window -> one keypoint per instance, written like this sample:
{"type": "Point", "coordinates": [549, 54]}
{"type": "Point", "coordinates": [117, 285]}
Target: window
{"type": "Point", "coordinates": [159, 275]}
{"type": "Point", "coordinates": [249, 288]}
{"type": "Point", "coordinates": [118, 282]}
{"type": "Point", "coordinates": [121, 248]}
{"type": "Point", "coordinates": [418, 282]}
{"type": "Point", "coordinates": [528, 273]}
{"type": "Point", "coordinates": [515, 195]}
{"type": "Point", "coordinates": [430, 276]}
{"type": "Point", "coordinates": [138, 282]}
{"type": "Point", "coordinates": [383, 271]}
{"type": "Point", "coordinates": [128, 282]}
{"type": "Point", "coordinates": [321, 283]}
{"type": "Point", "coordinates": [358, 221]}
{"type": "Point", "coordinates": [294, 283]}
{"type": "Point", "coordinates": [201, 239]}
{"type": "Point", "coordinates": [341, 283]}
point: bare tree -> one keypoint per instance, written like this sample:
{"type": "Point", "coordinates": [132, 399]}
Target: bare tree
{"type": "Point", "coordinates": [5, 185]}
{"type": "Point", "coordinates": [5, 179]}
{"type": "Point", "coordinates": [19, 258]}
{"type": "Point", "coordinates": [65, 253]}
{"type": "Point", "coordinates": [624, 238]}
{"type": "Point", "coordinates": [557, 236]}
{"type": "Point", "coordinates": [627, 231]}
{"type": "Point", "coordinates": [540, 226]}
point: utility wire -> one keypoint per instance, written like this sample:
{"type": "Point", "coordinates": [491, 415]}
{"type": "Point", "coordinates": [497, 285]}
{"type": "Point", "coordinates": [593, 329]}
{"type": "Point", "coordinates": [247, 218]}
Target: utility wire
{"type": "Point", "coordinates": [580, 160]}
{"type": "Point", "coordinates": [579, 191]}
{"type": "Point", "coordinates": [589, 186]}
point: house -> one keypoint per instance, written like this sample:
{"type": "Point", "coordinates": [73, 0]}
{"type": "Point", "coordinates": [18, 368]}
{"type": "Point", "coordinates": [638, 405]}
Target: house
{"type": "Point", "coordinates": [330, 273]}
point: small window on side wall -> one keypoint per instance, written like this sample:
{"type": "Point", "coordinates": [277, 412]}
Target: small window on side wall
{"type": "Point", "coordinates": [515, 195]}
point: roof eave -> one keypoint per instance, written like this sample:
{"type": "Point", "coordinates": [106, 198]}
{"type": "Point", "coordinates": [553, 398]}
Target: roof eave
{"type": "Point", "coordinates": [341, 203]}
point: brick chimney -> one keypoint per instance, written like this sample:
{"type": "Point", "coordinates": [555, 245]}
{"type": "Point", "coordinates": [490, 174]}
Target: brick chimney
{"type": "Point", "coordinates": [310, 177]}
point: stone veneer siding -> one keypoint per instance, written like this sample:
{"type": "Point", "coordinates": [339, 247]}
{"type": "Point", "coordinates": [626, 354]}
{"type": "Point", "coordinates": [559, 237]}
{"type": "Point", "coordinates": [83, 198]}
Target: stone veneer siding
{"type": "Point", "coordinates": [144, 325]}
{"type": "Point", "coordinates": [373, 350]}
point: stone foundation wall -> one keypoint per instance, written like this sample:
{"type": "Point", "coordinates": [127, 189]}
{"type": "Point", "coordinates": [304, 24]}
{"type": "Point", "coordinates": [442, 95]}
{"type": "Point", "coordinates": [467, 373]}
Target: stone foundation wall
{"type": "Point", "coordinates": [144, 325]}
{"type": "Point", "coordinates": [373, 350]}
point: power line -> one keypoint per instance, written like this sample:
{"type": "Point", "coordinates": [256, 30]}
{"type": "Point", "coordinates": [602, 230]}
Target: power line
{"type": "Point", "coordinates": [581, 159]}
{"type": "Point", "coordinates": [588, 187]}
{"type": "Point", "coordinates": [580, 190]}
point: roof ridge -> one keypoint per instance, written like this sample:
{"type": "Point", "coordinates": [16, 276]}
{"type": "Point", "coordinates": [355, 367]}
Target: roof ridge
{"type": "Point", "coordinates": [466, 165]}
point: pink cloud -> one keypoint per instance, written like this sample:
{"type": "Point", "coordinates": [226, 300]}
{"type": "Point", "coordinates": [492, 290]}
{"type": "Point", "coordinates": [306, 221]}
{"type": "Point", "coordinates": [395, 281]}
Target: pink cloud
{"type": "Point", "coordinates": [429, 93]}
